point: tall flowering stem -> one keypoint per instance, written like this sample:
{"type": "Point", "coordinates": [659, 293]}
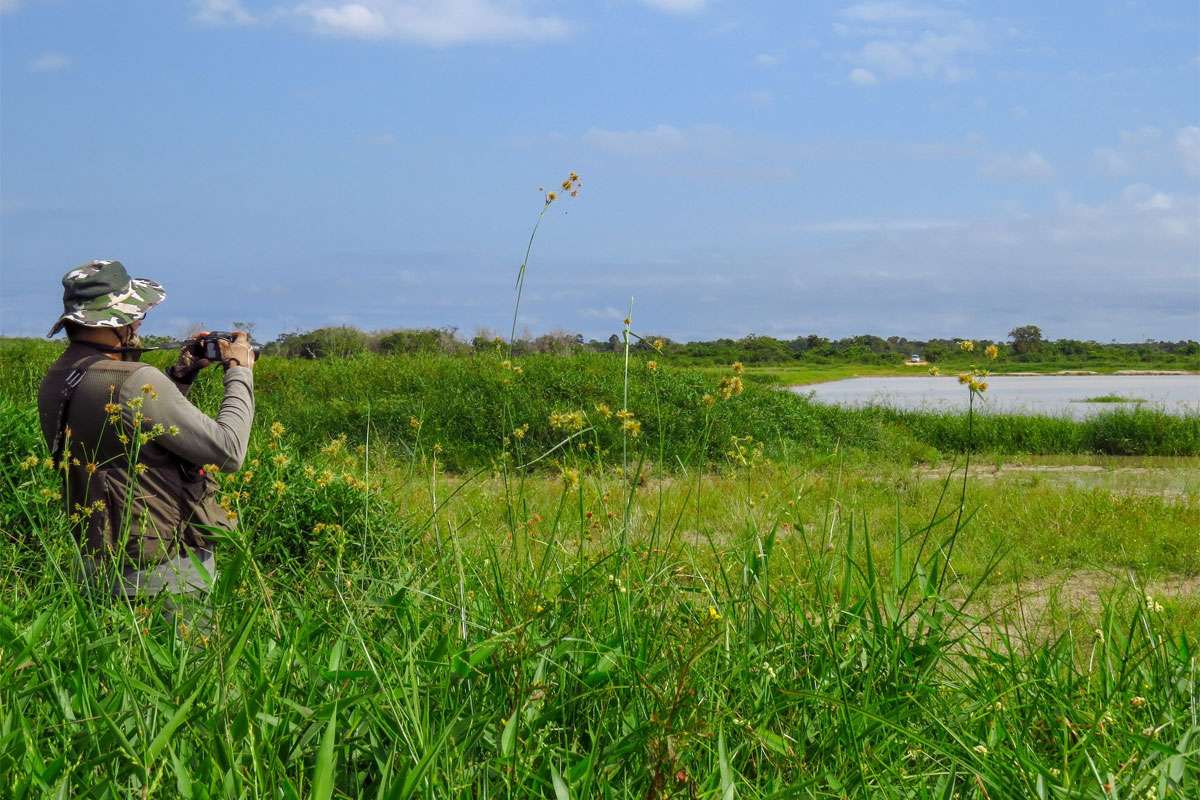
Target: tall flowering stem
{"type": "Point", "coordinates": [570, 186]}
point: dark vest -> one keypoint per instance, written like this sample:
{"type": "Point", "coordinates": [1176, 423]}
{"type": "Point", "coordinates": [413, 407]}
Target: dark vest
{"type": "Point", "coordinates": [126, 498]}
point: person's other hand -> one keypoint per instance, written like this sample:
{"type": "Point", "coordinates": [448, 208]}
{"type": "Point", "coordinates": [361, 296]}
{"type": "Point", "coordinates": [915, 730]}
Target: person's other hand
{"type": "Point", "coordinates": [238, 353]}
{"type": "Point", "coordinates": [189, 363]}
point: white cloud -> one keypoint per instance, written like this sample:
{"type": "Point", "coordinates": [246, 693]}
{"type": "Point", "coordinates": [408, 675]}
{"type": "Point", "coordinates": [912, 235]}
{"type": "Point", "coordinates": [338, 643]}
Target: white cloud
{"type": "Point", "coordinates": [222, 12]}
{"type": "Point", "coordinates": [760, 98]}
{"type": "Point", "coordinates": [433, 22]}
{"type": "Point", "coordinates": [652, 141]}
{"type": "Point", "coordinates": [863, 77]}
{"type": "Point", "coordinates": [50, 61]}
{"type": "Point", "coordinates": [1031, 166]}
{"type": "Point", "coordinates": [1150, 151]}
{"type": "Point", "coordinates": [1141, 197]}
{"type": "Point", "coordinates": [905, 41]}
{"type": "Point", "coordinates": [1111, 162]}
{"type": "Point", "coordinates": [380, 139]}
{"type": "Point", "coordinates": [1187, 142]}
{"type": "Point", "coordinates": [677, 6]}
{"type": "Point", "coordinates": [768, 60]}
{"type": "Point", "coordinates": [852, 226]}
{"type": "Point", "coordinates": [9, 5]}
{"type": "Point", "coordinates": [890, 12]}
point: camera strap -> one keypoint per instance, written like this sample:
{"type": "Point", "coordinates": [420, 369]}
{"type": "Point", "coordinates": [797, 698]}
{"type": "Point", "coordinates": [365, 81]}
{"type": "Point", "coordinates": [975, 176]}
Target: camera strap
{"type": "Point", "coordinates": [70, 384]}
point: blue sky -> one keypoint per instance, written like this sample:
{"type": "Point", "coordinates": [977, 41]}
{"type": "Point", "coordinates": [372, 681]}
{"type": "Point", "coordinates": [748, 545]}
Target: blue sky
{"type": "Point", "coordinates": [912, 168]}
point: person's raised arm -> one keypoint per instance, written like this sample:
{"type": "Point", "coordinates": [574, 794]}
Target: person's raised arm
{"type": "Point", "coordinates": [191, 434]}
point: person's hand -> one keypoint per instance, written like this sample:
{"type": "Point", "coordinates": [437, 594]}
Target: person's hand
{"type": "Point", "coordinates": [189, 363]}
{"type": "Point", "coordinates": [238, 353]}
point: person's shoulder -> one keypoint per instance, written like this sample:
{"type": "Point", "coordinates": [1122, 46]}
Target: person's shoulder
{"type": "Point", "coordinates": [141, 379]}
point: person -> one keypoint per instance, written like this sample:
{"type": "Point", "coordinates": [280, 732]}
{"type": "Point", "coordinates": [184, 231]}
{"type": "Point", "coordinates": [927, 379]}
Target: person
{"type": "Point", "coordinates": [135, 454]}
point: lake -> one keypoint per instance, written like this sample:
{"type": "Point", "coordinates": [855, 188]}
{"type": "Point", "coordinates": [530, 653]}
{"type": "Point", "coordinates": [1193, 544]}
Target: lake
{"type": "Point", "coordinates": [1056, 395]}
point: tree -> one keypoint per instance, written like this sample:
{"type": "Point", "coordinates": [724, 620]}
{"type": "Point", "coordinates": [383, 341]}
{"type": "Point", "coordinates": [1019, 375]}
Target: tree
{"type": "Point", "coordinates": [1026, 339]}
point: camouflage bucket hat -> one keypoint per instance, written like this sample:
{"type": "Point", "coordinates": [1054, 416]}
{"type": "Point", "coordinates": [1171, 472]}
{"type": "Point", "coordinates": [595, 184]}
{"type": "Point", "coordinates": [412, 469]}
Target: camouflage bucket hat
{"type": "Point", "coordinates": [101, 294]}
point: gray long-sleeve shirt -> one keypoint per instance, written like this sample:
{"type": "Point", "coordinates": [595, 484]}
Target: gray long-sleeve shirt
{"type": "Point", "coordinates": [201, 439]}
{"type": "Point", "coordinates": [164, 510]}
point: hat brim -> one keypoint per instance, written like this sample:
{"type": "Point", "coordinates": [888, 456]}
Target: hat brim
{"type": "Point", "coordinates": [115, 311]}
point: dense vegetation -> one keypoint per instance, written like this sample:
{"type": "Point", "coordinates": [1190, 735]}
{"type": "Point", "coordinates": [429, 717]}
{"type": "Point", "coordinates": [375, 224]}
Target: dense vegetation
{"type": "Point", "coordinates": [1025, 348]}
{"type": "Point", "coordinates": [381, 630]}
{"type": "Point", "coordinates": [414, 402]}
{"type": "Point", "coordinates": [734, 592]}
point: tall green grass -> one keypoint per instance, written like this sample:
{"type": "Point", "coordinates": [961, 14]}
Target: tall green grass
{"type": "Point", "coordinates": [458, 401]}
{"type": "Point", "coordinates": [578, 650]}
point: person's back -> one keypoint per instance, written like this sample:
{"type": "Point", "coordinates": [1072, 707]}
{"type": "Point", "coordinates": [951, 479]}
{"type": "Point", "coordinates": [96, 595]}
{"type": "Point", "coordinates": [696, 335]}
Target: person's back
{"type": "Point", "coordinates": [132, 448]}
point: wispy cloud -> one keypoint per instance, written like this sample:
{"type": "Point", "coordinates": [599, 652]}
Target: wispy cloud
{"type": "Point", "coordinates": [9, 5]}
{"type": "Point", "coordinates": [863, 77]}
{"type": "Point", "coordinates": [1111, 161]}
{"type": "Point", "coordinates": [854, 226]}
{"type": "Point", "coordinates": [905, 41]}
{"type": "Point", "coordinates": [222, 12]}
{"type": "Point", "coordinates": [433, 22]}
{"type": "Point", "coordinates": [658, 139]}
{"type": "Point", "coordinates": [768, 60]}
{"type": "Point", "coordinates": [677, 6]}
{"type": "Point", "coordinates": [1187, 142]}
{"type": "Point", "coordinates": [1031, 166]}
{"type": "Point", "coordinates": [50, 61]}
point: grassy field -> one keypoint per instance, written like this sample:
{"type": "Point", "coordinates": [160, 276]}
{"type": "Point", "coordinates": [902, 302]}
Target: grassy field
{"type": "Point", "coordinates": [754, 597]}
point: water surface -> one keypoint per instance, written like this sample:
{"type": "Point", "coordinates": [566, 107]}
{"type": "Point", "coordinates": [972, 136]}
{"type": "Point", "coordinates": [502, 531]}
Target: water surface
{"type": "Point", "coordinates": [1044, 394]}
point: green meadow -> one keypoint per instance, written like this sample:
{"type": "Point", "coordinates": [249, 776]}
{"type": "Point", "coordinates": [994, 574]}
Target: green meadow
{"type": "Point", "coordinates": [474, 576]}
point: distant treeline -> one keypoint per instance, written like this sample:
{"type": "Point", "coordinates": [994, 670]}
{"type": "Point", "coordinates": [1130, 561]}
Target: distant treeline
{"type": "Point", "coordinates": [1025, 344]}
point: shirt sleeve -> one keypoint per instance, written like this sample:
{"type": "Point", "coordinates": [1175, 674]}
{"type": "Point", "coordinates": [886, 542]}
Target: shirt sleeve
{"type": "Point", "coordinates": [200, 439]}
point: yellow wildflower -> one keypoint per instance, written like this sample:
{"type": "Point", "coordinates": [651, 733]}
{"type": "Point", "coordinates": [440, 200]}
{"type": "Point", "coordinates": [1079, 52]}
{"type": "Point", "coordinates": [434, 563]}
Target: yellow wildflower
{"type": "Point", "coordinates": [713, 614]}
{"type": "Point", "coordinates": [280, 460]}
{"type": "Point", "coordinates": [335, 446]}
{"type": "Point", "coordinates": [139, 469]}
{"type": "Point", "coordinates": [730, 386]}
{"type": "Point", "coordinates": [173, 430]}
{"type": "Point", "coordinates": [570, 477]}
{"type": "Point", "coordinates": [90, 467]}
{"type": "Point", "coordinates": [737, 368]}
{"type": "Point", "coordinates": [279, 486]}
{"type": "Point", "coordinates": [708, 400]}
{"type": "Point", "coordinates": [30, 462]}
{"type": "Point", "coordinates": [521, 431]}
{"type": "Point", "coordinates": [603, 410]}
{"type": "Point", "coordinates": [992, 351]}
{"type": "Point", "coordinates": [112, 408]}
{"type": "Point", "coordinates": [414, 423]}
{"type": "Point", "coordinates": [652, 366]}
{"type": "Point", "coordinates": [277, 430]}
{"type": "Point", "coordinates": [967, 346]}
{"type": "Point", "coordinates": [632, 427]}
{"type": "Point", "coordinates": [148, 390]}
{"type": "Point", "coordinates": [551, 197]}
{"type": "Point", "coordinates": [934, 371]}
{"type": "Point", "coordinates": [659, 344]}
{"type": "Point", "coordinates": [567, 420]}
